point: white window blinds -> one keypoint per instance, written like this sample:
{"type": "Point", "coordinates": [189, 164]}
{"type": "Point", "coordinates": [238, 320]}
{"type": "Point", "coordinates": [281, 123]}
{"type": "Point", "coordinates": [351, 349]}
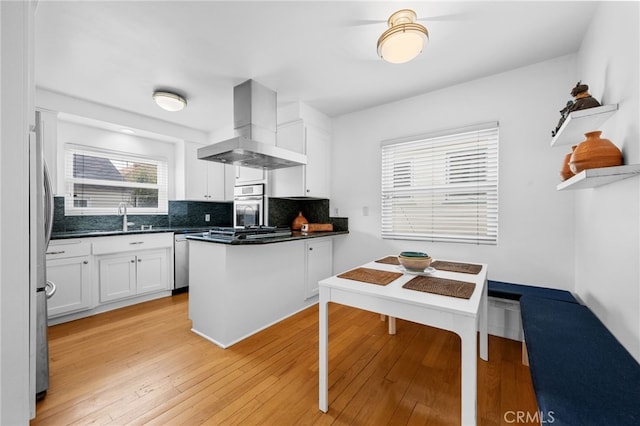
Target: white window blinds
{"type": "Point", "coordinates": [97, 181]}
{"type": "Point", "coordinates": [442, 187]}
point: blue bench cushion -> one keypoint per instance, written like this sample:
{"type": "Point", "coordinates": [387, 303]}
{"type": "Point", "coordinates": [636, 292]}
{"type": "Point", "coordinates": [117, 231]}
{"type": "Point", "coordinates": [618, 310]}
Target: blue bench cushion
{"type": "Point", "coordinates": [515, 291]}
{"type": "Point", "coordinates": [581, 374]}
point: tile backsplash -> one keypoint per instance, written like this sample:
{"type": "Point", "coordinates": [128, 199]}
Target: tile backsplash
{"type": "Point", "coordinates": [188, 214]}
{"type": "Point", "coordinates": [192, 214]}
{"type": "Point", "coordinates": [282, 211]}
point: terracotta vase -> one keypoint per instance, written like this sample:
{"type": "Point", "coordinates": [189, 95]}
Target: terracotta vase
{"type": "Point", "coordinates": [594, 152]}
{"type": "Point", "coordinates": [298, 221]}
{"type": "Point", "coordinates": [565, 172]}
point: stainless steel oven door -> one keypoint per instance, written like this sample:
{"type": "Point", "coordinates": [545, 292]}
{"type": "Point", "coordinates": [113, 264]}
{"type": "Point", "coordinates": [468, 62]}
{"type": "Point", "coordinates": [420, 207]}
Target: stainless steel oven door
{"type": "Point", "coordinates": [248, 205]}
{"type": "Point", "coordinates": [249, 211]}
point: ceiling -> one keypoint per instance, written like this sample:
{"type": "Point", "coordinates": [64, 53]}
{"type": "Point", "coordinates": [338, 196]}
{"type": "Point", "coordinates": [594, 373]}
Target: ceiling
{"type": "Point", "coordinates": [319, 52]}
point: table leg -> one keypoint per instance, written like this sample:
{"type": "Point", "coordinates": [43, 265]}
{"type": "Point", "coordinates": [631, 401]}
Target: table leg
{"type": "Point", "coordinates": [323, 344]}
{"type": "Point", "coordinates": [469, 367]}
{"type": "Point", "coordinates": [392, 325]}
{"type": "Point", "coordinates": [484, 334]}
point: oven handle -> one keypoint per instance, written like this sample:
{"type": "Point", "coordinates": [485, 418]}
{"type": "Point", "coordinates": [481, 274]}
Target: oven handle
{"type": "Point", "coordinates": [249, 198]}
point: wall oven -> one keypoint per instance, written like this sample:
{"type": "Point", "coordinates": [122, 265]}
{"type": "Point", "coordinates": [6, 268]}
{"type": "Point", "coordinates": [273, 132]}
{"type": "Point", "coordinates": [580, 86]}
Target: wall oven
{"type": "Point", "coordinates": [248, 205]}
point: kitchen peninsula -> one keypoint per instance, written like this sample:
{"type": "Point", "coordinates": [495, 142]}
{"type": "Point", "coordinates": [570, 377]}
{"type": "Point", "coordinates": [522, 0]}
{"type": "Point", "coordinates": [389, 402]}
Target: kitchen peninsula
{"type": "Point", "coordinates": [238, 289]}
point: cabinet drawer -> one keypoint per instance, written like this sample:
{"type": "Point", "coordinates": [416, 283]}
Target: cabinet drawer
{"type": "Point", "coordinates": [68, 248]}
{"type": "Point", "coordinates": [136, 242]}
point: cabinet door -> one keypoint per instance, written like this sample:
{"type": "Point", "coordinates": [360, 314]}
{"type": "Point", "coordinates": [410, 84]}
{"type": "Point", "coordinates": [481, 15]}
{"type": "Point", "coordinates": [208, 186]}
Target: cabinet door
{"type": "Point", "coordinates": [72, 277]}
{"type": "Point", "coordinates": [248, 175]}
{"type": "Point", "coordinates": [290, 181]}
{"type": "Point", "coordinates": [317, 168]}
{"type": "Point", "coordinates": [196, 177]}
{"type": "Point", "coordinates": [117, 276]}
{"type": "Point", "coordinates": [215, 181]}
{"type": "Point", "coordinates": [319, 264]}
{"type": "Point", "coordinates": [151, 271]}
{"type": "Point", "coordinates": [206, 180]}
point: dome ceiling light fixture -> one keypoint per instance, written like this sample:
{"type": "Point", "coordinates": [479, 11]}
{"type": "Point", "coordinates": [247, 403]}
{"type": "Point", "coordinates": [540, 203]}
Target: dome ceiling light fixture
{"type": "Point", "coordinates": [169, 101]}
{"type": "Point", "coordinates": [404, 39]}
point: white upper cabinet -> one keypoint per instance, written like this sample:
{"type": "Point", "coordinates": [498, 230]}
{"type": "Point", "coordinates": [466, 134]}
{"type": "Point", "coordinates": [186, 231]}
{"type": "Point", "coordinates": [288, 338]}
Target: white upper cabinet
{"type": "Point", "coordinates": [248, 175]}
{"type": "Point", "coordinates": [307, 135]}
{"type": "Point", "coordinates": [204, 180]}
{"type": "Point", "coordinates": [317, 168]}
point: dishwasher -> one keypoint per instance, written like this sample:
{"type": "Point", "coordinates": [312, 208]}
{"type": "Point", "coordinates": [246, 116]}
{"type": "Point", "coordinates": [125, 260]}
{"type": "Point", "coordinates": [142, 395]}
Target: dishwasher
{"type": "Point", "coordinates": [181, 262]}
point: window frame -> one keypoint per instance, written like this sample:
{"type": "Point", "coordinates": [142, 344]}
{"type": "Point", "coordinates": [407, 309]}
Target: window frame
{"type": "Point", "coordinates": [464, 167]}
{"type": "Point", "coordinates": [162, 184]}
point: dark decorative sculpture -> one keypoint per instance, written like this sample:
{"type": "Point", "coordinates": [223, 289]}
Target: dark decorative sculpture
{"type": "Point", "coordinates": [564, 113]}
{"type": "Point", "coordinates": [583, 100]}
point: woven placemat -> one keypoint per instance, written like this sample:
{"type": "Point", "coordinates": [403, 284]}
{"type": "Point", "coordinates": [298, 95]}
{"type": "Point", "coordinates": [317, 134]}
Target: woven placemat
{"type": "Point", "coordinates": [371, 276]}
{"type": "Point", "coordinates": [465, 268]}
{"type": "Point", "coordinates": [442, 286]}
{"type": "Point", "coordinates": [389, 260]}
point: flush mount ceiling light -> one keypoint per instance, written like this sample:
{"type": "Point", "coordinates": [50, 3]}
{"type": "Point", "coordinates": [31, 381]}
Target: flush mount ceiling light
{"type": "Point", "coordinates": [404, 39]}
{"type": "Point", "coordinates": [169, 101]}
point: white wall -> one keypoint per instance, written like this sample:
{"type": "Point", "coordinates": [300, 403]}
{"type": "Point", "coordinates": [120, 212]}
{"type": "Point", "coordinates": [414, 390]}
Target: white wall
{"type": "Point", "coordinates": [149, 133]}
{"type": "Point", "coordinates": [17, 365]}
{"type": "Point", "coordinates": [114, 141]}
{"type": "Point", "coordinates": [607, 219]}
{"type": "Point", "coordinates": [535, 244]}
{"type": "Point", "coordinates": [59, 102]}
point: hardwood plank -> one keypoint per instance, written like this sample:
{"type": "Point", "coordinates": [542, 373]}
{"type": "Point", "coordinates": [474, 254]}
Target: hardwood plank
{"type": "Point", "coordinates": [143, 365]}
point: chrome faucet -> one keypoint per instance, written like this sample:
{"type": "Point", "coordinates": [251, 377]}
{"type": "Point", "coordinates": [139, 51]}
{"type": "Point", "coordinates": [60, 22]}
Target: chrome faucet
{"type": "Point", "coordinates": [122, 211]}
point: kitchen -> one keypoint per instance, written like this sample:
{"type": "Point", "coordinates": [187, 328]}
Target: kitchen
{"type": "Point", "coordinates": [552, 230]}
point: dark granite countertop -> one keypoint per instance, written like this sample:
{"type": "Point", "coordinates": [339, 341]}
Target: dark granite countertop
{"type": "Point", "coordinates": [185, 230]}
{"type": "Point", "coordinates": [99, 233]}
{"type": "Point", "coordinates": [295, 236]}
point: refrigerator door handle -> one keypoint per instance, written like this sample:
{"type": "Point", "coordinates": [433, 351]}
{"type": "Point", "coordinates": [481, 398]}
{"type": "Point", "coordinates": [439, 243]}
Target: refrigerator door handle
{"type": "Point", "coordinates": [48, 206]}
{"type": "Point", "coordinates": [50, 289]}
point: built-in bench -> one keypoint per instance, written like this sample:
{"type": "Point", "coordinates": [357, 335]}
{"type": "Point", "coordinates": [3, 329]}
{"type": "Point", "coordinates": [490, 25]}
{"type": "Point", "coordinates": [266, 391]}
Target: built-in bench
{"type": "Point", "coordinates": [504, 309]}
{"type": "Point", "coordinates": [581, 374]}
{"type": "Point", "coordinates": [516, 291]}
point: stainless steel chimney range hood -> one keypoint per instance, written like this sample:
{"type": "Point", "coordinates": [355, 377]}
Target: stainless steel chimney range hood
{"type": "Point", "coordinates": [254, 111]}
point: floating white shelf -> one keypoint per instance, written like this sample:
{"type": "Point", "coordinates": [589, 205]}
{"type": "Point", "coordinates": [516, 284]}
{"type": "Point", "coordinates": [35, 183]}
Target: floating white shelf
{"type": "Point", "coordinates": [580, 122]}
{"type": "Point", "coordinates": [592, 178]}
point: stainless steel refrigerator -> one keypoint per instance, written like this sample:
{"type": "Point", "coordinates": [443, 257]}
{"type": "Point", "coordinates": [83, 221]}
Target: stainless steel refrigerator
{"type": "Point", "coordinates": [40, 225]}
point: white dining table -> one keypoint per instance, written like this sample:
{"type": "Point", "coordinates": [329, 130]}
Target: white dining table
{"type": "Point", "coordinates": [465, 317]}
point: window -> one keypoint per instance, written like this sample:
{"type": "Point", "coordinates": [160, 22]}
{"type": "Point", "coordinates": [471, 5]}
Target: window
{"type": "Point", "coordinates": [97, 181]}
{"type": "Point", "coordinates": [442, 187]}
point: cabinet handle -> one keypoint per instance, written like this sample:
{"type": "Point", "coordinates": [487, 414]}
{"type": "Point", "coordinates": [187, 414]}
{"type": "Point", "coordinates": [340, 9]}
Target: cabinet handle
{"type": "Point", "coordinates": [56, 252]}
{"type": "Point", "coordinates": [86, 262]}
{"type": "Point", "coordinates": [139, 260]}
{"type": "Point", "coordinates": [310, 248]}
{"type": "Point", "coordinates": [133, 261]}
{"type": "Point", "coordinates": [308, 190]}
{"type": "Point", "coordinates": [137, 242]}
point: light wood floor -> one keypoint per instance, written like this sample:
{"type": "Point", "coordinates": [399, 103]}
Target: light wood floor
{"type": "Point", "coordinates": [143, 365]}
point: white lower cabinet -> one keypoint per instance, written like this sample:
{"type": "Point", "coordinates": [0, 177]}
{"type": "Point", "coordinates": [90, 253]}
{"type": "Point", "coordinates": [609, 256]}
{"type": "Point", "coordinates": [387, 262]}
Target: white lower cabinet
{"type": "Point", "coordinates": [151, 271]}
{"type": "Point", "coordinates": [123, 276]}
{"type": "Point", "coordinates": [319, 264]}
{"type": "Point", "coordinates": [133, 265]}
{"type": "Point", "coordinates": [117, 275]}
{"type": "Point", "coordinates": [69, 268]}
{"type": "Point", "coordinates": [94, 275]}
